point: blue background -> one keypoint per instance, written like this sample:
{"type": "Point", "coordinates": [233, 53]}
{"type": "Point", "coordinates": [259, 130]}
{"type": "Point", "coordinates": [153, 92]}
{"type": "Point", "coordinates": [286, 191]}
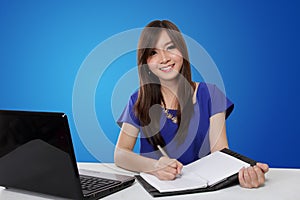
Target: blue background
{"type": "Point", "coordinates": [255, 45]}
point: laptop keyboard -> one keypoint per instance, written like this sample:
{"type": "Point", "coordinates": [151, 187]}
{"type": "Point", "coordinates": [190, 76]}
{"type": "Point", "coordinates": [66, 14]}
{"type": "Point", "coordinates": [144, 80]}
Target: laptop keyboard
{"type": "Point", "coordinates": [90, 184]}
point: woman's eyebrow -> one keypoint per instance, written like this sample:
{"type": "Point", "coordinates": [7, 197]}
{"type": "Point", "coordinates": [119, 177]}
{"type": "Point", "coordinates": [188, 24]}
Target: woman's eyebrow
{"type": "Point", "coordinates": [164, 45]}
{"type": "Point", "coordinates": [167, 43]}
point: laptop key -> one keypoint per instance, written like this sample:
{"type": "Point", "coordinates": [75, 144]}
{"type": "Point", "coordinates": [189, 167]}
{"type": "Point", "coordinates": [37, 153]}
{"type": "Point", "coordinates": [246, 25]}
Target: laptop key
{"type": "Point", "coordinates": [91, 184]}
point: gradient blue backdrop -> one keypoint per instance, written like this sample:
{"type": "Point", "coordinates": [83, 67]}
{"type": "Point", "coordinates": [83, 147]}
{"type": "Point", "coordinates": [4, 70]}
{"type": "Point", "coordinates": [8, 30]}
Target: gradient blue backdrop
{"type": "Point", "coordinates": [255, 45]}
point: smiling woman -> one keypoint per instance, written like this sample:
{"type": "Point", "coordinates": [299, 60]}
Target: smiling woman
{"type": "Point", "coordinates": [185, 118]}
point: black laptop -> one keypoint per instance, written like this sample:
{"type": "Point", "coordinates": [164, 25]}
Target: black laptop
{"type": "Point", "coordinates": [37, 155]}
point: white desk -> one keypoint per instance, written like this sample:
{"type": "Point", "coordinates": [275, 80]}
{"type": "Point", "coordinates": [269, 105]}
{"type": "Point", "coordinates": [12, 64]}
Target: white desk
{"type": "Point", "coordinates": [283, 184]}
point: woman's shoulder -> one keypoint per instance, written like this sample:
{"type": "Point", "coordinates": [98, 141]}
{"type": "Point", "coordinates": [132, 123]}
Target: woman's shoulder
{"type": "Point", "coordinates": [205, 85]}
{"type": "Point", "coordinates": [203, 89]}
{"type": "Point", "coordinates": [134, 96]}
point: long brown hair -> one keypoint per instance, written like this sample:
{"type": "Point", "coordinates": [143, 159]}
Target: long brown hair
{"type": "Point", "coordinates": [147, 107]}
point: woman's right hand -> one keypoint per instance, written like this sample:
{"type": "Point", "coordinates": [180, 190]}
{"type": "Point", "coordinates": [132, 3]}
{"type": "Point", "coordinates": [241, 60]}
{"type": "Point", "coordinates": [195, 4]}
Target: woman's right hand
{"type": "Point", "coordinates": [167, 169]}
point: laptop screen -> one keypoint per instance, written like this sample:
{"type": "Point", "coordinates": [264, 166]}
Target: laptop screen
{"type": "Point", "coordinates": [36, 153]}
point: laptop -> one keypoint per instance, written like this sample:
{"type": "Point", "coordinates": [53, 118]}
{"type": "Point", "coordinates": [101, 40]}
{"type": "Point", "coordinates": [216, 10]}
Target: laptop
{"type": "Point", "coordinates": [37, 155]}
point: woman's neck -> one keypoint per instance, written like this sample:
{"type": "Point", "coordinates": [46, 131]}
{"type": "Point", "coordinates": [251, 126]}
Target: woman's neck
{"type": "Point", "coordinates": [170, 94]}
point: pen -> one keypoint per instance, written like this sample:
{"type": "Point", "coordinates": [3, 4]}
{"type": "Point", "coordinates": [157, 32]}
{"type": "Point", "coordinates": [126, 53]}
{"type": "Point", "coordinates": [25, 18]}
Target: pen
{"type": "Point", "coordinates": [162, 151]}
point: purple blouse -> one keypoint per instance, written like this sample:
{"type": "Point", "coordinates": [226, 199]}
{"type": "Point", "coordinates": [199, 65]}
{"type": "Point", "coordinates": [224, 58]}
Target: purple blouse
{"type": "Point", "coordinates": [209, 101]}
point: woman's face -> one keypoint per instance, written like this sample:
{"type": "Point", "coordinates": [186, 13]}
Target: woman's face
{"type": "Point", "coordinates": [165, 60]}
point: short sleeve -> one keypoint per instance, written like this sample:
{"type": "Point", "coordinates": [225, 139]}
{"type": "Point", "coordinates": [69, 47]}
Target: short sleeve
{"type": "Point", "coordinates": [219, 102]}
{"type": "Point", "coordinates": [128, 115]}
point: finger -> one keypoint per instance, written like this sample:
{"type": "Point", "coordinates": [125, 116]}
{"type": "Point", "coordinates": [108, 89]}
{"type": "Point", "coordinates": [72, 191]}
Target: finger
{"type": "Point", "coordinates": [260, 175]}
{"type": "Point", "coordinates": [165, 162]}
{"type": "Point", "coordinates": [165, 175]}
{"type": "Point", "coordinates": [169, 162]}
{"type": "Point", "coordinates": [179, 167]}
{"type": "Point", "coordinates": [253, 177]}
{"type": "Point", "coordinates": [173, 163]}
{"type": "Point", "coordinates": [176, 165]}
{"type": "Point", "coordinates": [171, 170]}
{"type": "Point", "coordinates": [241, 177]}
{"type": "Point", "coordinates": [263, 166]}
{"type": "Point", "coordinates": [247, 178]}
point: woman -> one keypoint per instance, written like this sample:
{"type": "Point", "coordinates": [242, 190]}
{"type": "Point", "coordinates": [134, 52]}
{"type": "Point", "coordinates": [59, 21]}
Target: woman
{"type": "Point", "coordinates": [185, 118]}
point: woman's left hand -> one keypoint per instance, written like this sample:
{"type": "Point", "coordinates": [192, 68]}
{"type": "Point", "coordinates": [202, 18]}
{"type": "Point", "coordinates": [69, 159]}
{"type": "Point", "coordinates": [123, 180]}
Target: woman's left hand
{"type": "Point", "coordinates": [253, 177]}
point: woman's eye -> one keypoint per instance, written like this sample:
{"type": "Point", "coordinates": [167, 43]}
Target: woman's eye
{"type": "Point", "coordinates": [152, 53]}
{"type": "Point", "coordinates": [171, 47]}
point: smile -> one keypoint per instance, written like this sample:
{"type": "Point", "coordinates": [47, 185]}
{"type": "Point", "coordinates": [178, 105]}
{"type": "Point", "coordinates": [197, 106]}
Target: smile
{"type": "Point", "coordinates": [167, 68]}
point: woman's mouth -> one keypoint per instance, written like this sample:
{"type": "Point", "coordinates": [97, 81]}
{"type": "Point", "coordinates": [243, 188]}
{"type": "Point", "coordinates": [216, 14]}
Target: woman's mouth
{"type": "Point", "coordinates": [167, 68]}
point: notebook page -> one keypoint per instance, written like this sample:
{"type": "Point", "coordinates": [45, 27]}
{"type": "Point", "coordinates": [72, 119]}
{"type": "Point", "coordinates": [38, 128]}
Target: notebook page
{"type": "Point", "coordinates": [188, 180]}
{"type": "Point", "coordinates": [216, 167]}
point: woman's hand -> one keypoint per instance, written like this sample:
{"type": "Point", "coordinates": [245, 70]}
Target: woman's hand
{"type": "Point", "coordinates": [253, 177]}
{"type": "Point", "coordinates": [167, 169]}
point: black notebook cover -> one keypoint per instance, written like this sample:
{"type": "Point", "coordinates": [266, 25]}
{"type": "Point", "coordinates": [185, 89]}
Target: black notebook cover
{"type": "Point", "coordinates": [232, 180]}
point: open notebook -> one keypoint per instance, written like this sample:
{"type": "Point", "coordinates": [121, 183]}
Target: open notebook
{"type": "Point", "coordinates": [212, 172]}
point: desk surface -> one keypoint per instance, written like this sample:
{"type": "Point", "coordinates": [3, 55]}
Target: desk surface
{"type": "Point", "coordinates": [280, 184]}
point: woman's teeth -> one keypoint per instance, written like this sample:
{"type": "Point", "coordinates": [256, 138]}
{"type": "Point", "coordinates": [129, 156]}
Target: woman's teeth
{"type": "Point", "coordinates": [167, 68]}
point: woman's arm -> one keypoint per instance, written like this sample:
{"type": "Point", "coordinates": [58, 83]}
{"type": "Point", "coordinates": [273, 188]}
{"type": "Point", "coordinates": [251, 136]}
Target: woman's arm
{"type": "Point", "coordinates": [164, 168]}
{"type": "Point", "coordinates": [217, 132]}
{"type": "Point", "coordinates": [251, 177]}
{"type": "Point", "coordinates": [124, 155]}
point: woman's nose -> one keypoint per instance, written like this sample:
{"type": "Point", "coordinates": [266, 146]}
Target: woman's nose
{"type": "Point", "coordinates": [164, 57]}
